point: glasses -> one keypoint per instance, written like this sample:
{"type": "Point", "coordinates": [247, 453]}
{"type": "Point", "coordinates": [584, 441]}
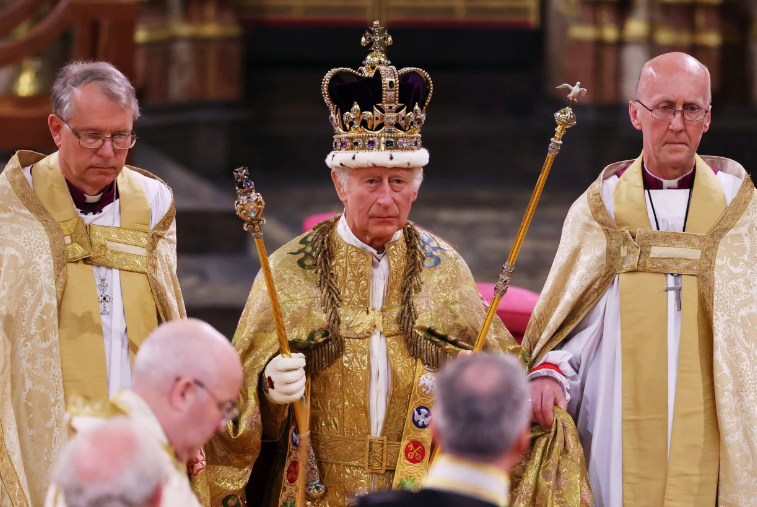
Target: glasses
{"type": "Point", "coordinates": [228, 409]}
{"type": "Point", "coordinates": [94, 141]}
{"type": "Point", "coordinates": [690, 113]}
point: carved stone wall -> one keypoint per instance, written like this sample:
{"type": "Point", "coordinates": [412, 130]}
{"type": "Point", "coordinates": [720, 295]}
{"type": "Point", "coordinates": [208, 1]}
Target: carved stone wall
{"type": "Point", "coordinates": [606, 43]}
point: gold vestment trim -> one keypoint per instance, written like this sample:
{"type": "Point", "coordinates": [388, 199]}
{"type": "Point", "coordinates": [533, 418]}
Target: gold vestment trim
{"type": "Point", "coordinates": [622, 252]}
{"type": "Point", "coordinates": [374, 454]}
{"type": "Point", "coordinates": [52, 227]}
{"type": "Point", "coordinates": [76, 238]}
{"type": "Point", "coordinates": [108, 248]}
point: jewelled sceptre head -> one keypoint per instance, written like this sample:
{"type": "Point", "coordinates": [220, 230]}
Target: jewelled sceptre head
{"type": "Point", "coordinates": [249, 207]}
{"type": "Point", "coordinates": [250, 204]}
{"type": "Point", "coordinates": [565, 119]}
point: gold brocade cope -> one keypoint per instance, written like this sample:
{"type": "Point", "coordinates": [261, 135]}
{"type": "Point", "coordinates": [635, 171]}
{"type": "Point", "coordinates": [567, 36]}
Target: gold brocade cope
{"type": "Point", "coordinates": [553, 472]}
{"type": "Point", "coordinates": [594, 250]}
{"type": "Point", "coordinates": [33, 279]}
{"type": "Point", "coordinates": [692, 465]}
{"type": "Point", "coordinates": [349, 459]}
{"type": "Point", "coordinates": [123, 248]}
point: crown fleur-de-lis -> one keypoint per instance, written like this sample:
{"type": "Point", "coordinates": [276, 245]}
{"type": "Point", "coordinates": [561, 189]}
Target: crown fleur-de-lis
{"type": "Point", "coordinates": [380, 38]}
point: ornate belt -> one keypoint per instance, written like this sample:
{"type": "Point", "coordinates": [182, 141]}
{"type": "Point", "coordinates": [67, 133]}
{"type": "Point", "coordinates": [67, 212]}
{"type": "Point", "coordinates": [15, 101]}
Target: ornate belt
{"type": "Point", "coordinates": [112, 247]}
{"type": "Point", "coordinates": [375, 454]}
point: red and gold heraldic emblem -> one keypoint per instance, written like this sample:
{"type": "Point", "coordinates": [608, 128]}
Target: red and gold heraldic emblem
{"type": "Point", "coordinates": [293, 470]}
{"type": "Point", "coordinates": [415, 452]}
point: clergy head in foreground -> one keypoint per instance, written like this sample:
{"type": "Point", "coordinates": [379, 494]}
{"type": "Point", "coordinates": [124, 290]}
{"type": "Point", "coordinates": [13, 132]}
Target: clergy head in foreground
{"type": "Point", "coordinates": [115, 465]}
{"type": "Point", "coordinates": [185, 388]}
{"type": "Point", "coordinates": [482, 423]}
{"type": "Point", "coordinates": [645, 328]}
{"type": "Point", "coordinates": [88, 268]}
{"type": "Point", "coordinates": [372, 305]}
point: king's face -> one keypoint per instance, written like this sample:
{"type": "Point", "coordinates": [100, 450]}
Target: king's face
{"type": "Point", "coordinates": [377, 202]}
{"type": "Point", "coordinates": [90, 169]}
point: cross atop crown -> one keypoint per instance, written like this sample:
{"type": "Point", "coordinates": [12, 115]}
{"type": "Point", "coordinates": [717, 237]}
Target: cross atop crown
{"type": "Point", "coordinates": [378, 36]}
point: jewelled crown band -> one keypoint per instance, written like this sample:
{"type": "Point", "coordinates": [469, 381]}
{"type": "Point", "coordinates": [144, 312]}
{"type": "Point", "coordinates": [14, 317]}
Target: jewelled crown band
{"type": "Point", "coordinates": [377, 111]}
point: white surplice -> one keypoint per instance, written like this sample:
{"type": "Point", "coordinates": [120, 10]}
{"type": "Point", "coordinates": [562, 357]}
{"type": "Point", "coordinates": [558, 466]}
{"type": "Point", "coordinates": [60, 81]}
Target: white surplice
{"type": "Point", "coordinates": [117, 358]}
{"type": "Point", "coordinates": [590, 356]}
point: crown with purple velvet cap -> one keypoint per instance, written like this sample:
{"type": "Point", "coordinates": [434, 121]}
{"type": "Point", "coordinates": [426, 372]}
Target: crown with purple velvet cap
{"type": "Point", "coordinates": [377, 111]}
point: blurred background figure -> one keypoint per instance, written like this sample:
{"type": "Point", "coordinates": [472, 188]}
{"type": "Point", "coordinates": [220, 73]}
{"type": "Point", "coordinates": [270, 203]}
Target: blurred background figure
{"type": "Point", "coordinates": [117, 464]}
{"type": "Point", "coordinates": [481, 419]}
{"type": "Point", "coordinates": [185, 387]}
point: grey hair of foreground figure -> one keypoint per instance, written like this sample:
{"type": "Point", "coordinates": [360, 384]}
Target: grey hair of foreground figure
{"type": "Point", "coordinates": [115, 465]}
{"type": "Point", "coordinates": [343, 173]}
{"type": "Point", "coordinates": [481, 405]}
{"type": "Point", "coordinates": [111, 82]}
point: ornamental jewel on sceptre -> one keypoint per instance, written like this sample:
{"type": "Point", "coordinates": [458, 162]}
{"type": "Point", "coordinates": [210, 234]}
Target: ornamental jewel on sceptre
{"type": "Point", "coordinates": [249, 204]}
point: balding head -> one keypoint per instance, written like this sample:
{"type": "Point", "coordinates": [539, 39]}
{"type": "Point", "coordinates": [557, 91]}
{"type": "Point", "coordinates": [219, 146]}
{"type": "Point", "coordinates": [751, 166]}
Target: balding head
{"type": "Point", "coordinates": [187, 372]}
{"type": "Point", "coordinates": [115, 465]}
{"type": "Point", "coordinates": [481, 406]}
{"type": "Point", "coordinates": [673, 81]}
{"type": "Point", "coordinates": [673, 65]}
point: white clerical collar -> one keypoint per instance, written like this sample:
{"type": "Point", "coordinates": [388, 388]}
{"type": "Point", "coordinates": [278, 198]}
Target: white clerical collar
{"type": "Point", "coordinates": [93, 198]}
{"type": "Point", "coordinates": [457, 475]}
{"type": "Point", "coordinates": [666, 184]}
{"type": "Point", "coordinates": [344, 231]}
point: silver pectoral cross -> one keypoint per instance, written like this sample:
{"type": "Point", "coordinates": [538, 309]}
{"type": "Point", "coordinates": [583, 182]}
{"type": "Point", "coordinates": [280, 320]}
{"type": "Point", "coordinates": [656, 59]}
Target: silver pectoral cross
{"type": "Point", "coordinates": [677, 288]}
{"type": "Point", "coordinates": [103, 298]}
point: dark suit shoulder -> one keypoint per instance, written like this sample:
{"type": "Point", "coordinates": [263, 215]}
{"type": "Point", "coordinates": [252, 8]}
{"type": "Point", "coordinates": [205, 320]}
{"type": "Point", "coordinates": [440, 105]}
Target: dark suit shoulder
{"type": "Point", "coordinates": [423, 498]}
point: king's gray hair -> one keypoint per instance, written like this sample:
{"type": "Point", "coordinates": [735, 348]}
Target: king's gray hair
{"type": "Point", "coordinates": [481, 405]}
{"type": "Point", "coordinates": [343, 175]}
{"type": "Point", "coordinates": [134, 484]}
{"type": "Point", "coordinates": [110, 81]}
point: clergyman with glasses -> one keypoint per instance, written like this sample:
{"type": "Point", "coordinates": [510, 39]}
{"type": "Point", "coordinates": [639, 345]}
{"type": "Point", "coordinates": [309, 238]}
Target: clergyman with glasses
{"type": "Point", "coordinates": [87, 270]}
{"type": "Point", "coordinates": [646, 327]}
{"type": "Point", "coordinates": [185, 387]}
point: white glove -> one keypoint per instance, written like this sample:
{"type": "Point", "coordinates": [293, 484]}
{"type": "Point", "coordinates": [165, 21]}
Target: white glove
{"type": "Point", "coordinates": [284, 379]}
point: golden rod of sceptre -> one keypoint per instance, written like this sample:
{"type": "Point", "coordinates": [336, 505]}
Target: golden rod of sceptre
{"type": "Point", "coordinates": [249, 207]}
{"type": "Point", "coordinates": [565, 119]}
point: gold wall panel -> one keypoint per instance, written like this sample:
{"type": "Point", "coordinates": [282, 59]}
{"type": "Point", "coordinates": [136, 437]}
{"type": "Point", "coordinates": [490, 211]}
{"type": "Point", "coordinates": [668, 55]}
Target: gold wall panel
{"type": "Point", "coordinates": [518, 12]}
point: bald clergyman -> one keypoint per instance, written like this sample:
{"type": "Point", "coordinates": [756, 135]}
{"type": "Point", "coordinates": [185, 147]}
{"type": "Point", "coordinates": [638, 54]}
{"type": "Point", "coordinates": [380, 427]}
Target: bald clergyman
{"type": "Point", "coordinates": [647, 325]}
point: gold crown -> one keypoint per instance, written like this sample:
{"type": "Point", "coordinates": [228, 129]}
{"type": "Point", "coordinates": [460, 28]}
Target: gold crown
{"type": "Point", "coordinates": [377, 107]}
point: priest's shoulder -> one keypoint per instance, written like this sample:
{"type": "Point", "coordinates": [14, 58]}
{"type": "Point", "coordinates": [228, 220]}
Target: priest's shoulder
{"type": "Point", "coordinates": [150, 180]}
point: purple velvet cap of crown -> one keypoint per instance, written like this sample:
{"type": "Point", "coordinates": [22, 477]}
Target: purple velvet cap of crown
{"type": "Point", "coordinates": [346, 88]}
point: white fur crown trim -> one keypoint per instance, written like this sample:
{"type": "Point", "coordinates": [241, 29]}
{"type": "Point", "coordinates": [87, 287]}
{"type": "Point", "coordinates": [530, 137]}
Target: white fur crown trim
{"type": "Point", "coordinates": [356, 159]}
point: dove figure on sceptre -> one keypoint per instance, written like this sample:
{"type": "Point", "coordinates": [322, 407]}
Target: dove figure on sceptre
{"type": "Point", "coordinates": [574, 91]}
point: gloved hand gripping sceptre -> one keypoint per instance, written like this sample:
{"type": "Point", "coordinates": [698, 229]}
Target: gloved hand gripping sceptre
{"type": "Point", "coordinates": [249, 207]}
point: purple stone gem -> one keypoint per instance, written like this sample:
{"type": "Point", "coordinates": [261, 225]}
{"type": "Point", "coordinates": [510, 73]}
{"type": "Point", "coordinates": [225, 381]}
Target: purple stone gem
{"type": "Point", "coordinates": [371, 143]}
{"type": "Point", "coordinates": [345, 144]}
{"type": "Point", "coordinates": [249, 184]}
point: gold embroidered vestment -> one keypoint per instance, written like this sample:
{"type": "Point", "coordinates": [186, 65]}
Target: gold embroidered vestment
{"type": "Point", "coordinates": [719, 267]}
{"type": "Point", "coordinates": [38, 248]}
{"type": "Point", "coordinates": [450, 313]}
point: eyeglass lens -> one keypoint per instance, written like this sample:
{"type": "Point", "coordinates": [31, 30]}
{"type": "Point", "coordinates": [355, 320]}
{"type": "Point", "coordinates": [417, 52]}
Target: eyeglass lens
{"type": "Point", "coordinates": [120, 142]}
{"type": "Point", "coordinates": [689, 113]}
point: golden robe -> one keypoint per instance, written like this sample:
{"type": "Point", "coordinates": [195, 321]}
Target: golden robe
{"type": "Point", "coordinates": [594, 249]}
{"type": "Point", "coordinates": [34, 253]}
{"type": "Point", "coordinates": [450, 314]}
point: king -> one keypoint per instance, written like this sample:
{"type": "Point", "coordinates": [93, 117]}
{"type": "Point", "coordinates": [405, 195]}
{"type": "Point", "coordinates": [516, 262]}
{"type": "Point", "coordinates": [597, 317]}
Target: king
{"type": "Point", "coordinates": [372, 304]}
